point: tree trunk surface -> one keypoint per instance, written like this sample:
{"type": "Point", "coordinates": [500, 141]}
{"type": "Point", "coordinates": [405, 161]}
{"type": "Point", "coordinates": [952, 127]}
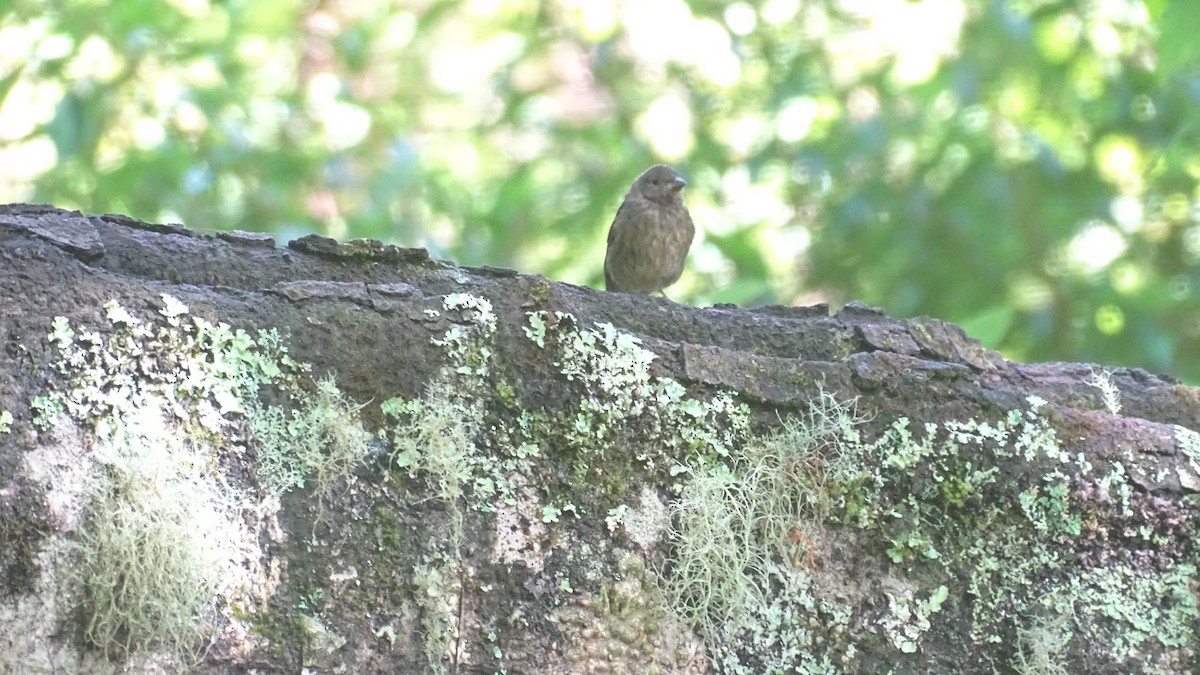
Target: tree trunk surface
{"type": "Point", "coordinates": [220, 455]}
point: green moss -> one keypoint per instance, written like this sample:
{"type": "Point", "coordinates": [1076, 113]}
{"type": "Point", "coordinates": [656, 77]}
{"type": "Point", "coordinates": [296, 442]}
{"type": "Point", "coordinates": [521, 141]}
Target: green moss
{"type": "Point", "coordinates": [286, 639]}
{"type": "Point", "coordinates": [540, 292]}
{"type": "Point", "coordinates": [633, 607]}
{"type": "Point", "coordinates": [506, 394]}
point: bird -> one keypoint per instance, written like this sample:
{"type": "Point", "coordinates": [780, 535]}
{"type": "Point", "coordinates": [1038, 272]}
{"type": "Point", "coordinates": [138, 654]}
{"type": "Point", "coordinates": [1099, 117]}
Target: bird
{"type": "Point", "coordinates": [649, 238]}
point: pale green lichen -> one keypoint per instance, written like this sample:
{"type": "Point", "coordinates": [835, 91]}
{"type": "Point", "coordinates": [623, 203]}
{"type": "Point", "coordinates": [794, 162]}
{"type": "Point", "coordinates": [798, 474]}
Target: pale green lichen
{"type": "Point", "coordinates": [155, 547]}
{"type": "Point", "coordinates": [1115, 485]}
{"type": "Point", "coordinates": [743, 539]}
{"type": "Point", "coordinates": [1188, 442]}
{"type": "Point", "coordinates": [552, 512]}
{"type": "Point", "coordinates": [1110, 395]}
{"type": "Point", "coordinates": [6, 420]}
{"type": "Point", "coordinates": [441, 436]}
{"type": "Point", "coordinates": [387, 632]}
{"type": "Point", "coordinates": [933, 497]}
{"type": "Point", "coordinates": [621, 418]}
{"type": "Point", "coordinates": [320, 441]}
{"type": "Point", "coordinates": [1048, 509]}
{"type": "Point", "coordinates": [469, 344]}
{"type": "Point", "coordinates": [164, 531]}
{"type": "Point", "coordinates": [937, 473]}
{"type": "Point", "coordinates": [794, 631]}
{"type": "Point", "coordinates": [1125, 610]}
{"type": "Point", "coordinates": [203, 371]}
{"type": "Point", "coordinates": [615, 372]}
{"type": "Point", "coordinates": [992, 496]}
{"type": "Point", "coordinates": [320, 638]}
{"type": "Point", "coordinates": [536, 330]}
{"type": "Point", "coordinates": [437, 436]}
{"type": "Point", "coordinates": [1161, 607]}
{"type": "Point", "coordinates": [647, 524]}
{"type": "Point", "coordinates": [438, 591]}
{"type": "Point", "coordinates": [907, 618]}
{"type": "Point", "coordinates": [1042, 644]}
{"type": "Point", "coordinates": [44, 409]}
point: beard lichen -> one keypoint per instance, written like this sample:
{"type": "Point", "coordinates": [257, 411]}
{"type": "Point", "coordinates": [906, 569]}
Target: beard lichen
{"type": "Point", "coordinates": [165, 555]}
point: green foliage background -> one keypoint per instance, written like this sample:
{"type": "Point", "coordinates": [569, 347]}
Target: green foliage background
{"type": "Point", "coordinates": [1026, 168]}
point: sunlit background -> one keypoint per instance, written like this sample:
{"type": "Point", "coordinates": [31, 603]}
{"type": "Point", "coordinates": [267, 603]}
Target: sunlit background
{"type": "Point", "coordinates": [1025, 168]}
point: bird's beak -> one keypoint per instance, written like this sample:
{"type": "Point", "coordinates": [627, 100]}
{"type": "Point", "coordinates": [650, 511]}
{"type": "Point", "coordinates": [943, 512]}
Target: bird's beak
{"type": "Point", "coordinates": [679, 182]}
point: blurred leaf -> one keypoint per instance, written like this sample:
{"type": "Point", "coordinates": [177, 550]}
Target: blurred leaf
{"type": "Point", "coordinates": [743, 292]}
{"type": "Point", "coordinates": [67, 127]}
{"type": "Point", "coordinates": [7, 82]}
{"type": "Point", "coordinates": [1156, 7]}
{"type": "Point", "coordinates": [991, 325]}
{"type": "Point", "coordinates": [1178, 46]}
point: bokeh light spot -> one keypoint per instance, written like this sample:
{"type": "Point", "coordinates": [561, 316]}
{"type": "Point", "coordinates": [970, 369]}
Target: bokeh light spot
{"type": "Point", "coordinates": [1110, 320]}
{"type": "Point", "coordinates": [1094, 247]}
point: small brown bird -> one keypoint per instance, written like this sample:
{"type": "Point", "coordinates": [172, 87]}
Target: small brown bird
{"type": "Point", "coordinates": [650, 235]}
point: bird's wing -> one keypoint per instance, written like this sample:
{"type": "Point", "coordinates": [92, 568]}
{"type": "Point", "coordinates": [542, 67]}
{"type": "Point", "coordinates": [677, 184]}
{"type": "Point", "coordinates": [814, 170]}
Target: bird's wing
{"type": "Point", "coordinates": [616, 219]}
{"type": "Point", "coordinates": [609, 284]}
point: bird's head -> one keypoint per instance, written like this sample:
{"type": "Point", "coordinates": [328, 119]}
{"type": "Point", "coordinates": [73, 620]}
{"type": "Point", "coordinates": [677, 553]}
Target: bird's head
{"type": "Point", "coordinates": [660, 183]}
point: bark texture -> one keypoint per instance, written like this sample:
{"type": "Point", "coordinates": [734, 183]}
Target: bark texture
{"type": "Point", "coordinates": [981, 515]}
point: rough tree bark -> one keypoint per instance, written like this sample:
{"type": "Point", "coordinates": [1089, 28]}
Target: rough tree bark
{"type": "Point", "coordinates": [485, 471]}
